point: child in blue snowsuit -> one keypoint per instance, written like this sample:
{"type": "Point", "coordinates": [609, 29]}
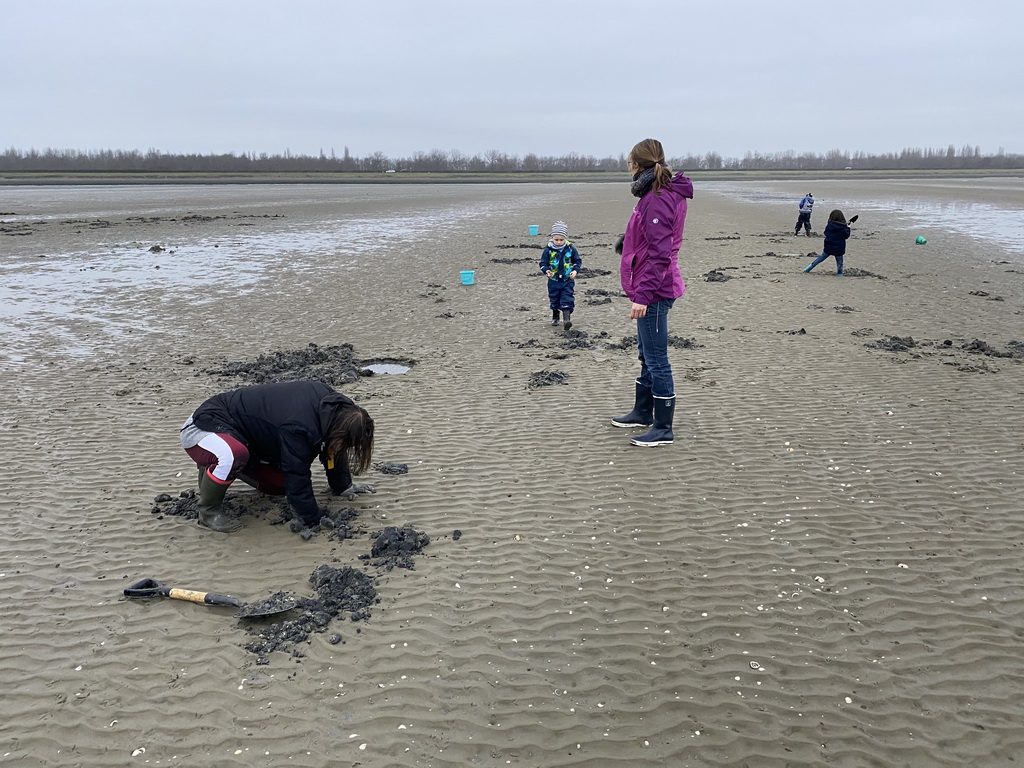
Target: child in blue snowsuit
{"type": "Point", "coordinates": [560, 261]}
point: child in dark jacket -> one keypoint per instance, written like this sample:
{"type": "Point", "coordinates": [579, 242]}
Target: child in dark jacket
{"type": "Point", "coordinates": [560, 261]}
{"type": "Point", "coordinates": [836, 233]}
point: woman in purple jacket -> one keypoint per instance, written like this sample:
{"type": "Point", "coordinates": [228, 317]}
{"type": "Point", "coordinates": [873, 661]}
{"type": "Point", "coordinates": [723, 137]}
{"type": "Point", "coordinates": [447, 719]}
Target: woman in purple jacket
{"type": "Point", "coordinates": [650, 276]}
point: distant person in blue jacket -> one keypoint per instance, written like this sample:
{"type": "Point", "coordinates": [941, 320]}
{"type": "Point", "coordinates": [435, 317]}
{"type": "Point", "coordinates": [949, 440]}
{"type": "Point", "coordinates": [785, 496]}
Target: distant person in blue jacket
{"type": "Point", "coordinates": [561, 262]}
{"type": "Point", "coordinates": [806, 204]}
{"type": "Point", "coordinates": [836, 233]}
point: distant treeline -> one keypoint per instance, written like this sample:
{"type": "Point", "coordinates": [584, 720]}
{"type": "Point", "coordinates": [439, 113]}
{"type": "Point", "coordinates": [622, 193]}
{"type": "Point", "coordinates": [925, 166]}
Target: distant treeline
{"type": "Point", "coordinates": [437, 161]}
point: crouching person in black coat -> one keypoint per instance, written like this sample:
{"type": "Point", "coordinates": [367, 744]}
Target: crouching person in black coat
{"type": "Point", "coordinates": [268, 436]}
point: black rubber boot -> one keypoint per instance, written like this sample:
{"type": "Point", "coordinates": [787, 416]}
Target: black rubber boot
{"type": "Point", "coordinates": [642, 414]}
{"type": "Point", "coordinates": [661, 432]}
{"type": "Point", "coordinates": [567, 318]}
{"type": "Point", "coordinates": [554, 317]}
{"type": "Point", "coordinates": [211, 513]}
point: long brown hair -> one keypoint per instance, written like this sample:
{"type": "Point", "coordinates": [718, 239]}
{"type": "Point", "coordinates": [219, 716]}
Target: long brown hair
{"type": "Point", "coordinates": [837, 215]}
{"type": "Point", "coordinates": [351, 432]}
{"type": "Point", "coordinates": [650, 154]}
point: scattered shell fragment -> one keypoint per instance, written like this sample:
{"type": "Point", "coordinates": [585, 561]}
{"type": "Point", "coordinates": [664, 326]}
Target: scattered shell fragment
{"type": "Point", "coordinates": [755, 665]}
{"type": "Point", "coordinates": [139, 751]}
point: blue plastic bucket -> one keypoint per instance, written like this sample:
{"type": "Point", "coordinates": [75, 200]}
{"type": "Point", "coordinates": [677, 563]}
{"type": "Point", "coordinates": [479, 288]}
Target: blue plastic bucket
{"type": "Point", "coordinates": [534, 229]}
{"type": "Point", "coordinates": [467, 276]}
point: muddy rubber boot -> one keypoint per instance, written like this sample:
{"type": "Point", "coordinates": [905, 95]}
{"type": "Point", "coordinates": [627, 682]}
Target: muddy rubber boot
{"type": "Point", "coordinates": [211, 513]}
{"type": "Point", "coordinates": [567, 318]}
{"type": "Point", "coordinates": [661, 432]}
{"type": "Point", "coordinates": [554, 317]}
{"type": "Point", "coordinates": [642, 414]}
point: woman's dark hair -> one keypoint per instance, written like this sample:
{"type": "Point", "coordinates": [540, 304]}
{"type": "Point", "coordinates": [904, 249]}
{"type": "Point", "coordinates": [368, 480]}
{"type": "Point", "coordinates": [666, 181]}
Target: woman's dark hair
{"type": "Point", "coordinates": [650, 154]}
{"type": "Point", "coordinates": [352, 432]}
{"type": "Point", "coordinates": [837, 215]}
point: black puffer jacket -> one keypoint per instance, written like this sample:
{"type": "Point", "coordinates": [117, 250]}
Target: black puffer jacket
{"type": "Point", "coordinates": [284, 425]}
{"type": "Point", "coordinates": [835, 238]}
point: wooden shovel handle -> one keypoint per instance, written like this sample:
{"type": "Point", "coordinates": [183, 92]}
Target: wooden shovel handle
{"type": "Point", "coordinates": [209, 598]}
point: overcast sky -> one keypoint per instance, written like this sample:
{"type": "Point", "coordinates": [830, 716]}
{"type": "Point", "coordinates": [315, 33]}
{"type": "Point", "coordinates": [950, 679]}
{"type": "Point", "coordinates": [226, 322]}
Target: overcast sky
{"type": "Point", "coordinates": [549, 77]}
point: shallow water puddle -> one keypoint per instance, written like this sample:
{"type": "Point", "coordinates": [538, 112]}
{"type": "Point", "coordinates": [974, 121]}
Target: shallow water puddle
{"type": "Point", "coordinates": [391, 368]}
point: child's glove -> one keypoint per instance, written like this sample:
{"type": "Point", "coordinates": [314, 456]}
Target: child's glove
{"type": "Point", "coordinates": [350, 493]}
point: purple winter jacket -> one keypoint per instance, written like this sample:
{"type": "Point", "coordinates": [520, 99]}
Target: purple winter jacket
{"type": "Point", "coordinates": [649, 269]}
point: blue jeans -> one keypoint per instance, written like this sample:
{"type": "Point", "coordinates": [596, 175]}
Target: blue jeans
{"type": "Point", "coordinates": [817, 261]}
{"type": "Point", "coordinates": [652, 343]}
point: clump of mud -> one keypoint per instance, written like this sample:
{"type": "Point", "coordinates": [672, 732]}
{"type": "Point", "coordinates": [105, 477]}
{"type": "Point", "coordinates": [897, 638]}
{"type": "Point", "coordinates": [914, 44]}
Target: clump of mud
{"type": "Point", "coordinates": [682, 343]}
{"type": "Point", "coordinates": [893, 343]}
{"type": "Point", "coordinates": [1015, 349]}
{"type": "Point", "coordinates": [576, 339]}
{"type": "Point", "coordinates": [586, 273]}
{"type": "Point", "coordinates": [528, 344]}
{"type": "Point", "coordinates": [184, 505]}
{"type": "Point", "coordinates": [338, 591]}
{"type": "Point", "coordinates": [597, 302]}
{"type": "Point", "coordinates": [333, 365]}
{"type": "Point", "coordinates": [277, 603]}
{"type": "Point", "coordinates": [855, 272]}
{"type": "Point", "coordinates": [714, 276]}
{"type": "Point", "coordinates": [547, 379]}
{"type": "Point", "coordinates": [394, 547]}
{"type": "Point", "coordinates": [390, 468]}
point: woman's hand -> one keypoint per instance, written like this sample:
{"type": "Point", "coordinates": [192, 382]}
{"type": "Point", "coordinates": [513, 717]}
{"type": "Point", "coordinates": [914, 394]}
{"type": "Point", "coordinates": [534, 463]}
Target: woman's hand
{"type": "Point", "coordinates": [637, 311]}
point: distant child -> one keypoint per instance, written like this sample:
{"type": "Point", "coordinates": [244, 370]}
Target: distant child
{"type": "Point", "coordinates": [804, 220]}
{"type": "Point", "coordinates": [836, 232]}
{"type": "Point", "coordinates": [560, 261]}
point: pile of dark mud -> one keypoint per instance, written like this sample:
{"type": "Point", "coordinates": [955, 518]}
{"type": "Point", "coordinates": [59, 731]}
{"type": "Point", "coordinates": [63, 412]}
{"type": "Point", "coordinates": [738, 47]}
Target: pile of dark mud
{"type": "Point", "coordinates": [333, 365]}
{"type": "Point", "coordinates": [856, 272]}
{"type": "Point", "coordinates": [893, 343]}
{"type": "Point", "coordinates": [336, 524]}
{"type": "Point", "coordinates": [547, 379]}
{"type": "Point", "coordinates": [394, 547]}
{"type": "Point", "coordinates": [1014, 349]}
{"type": "Point", "coordinates": [390, 468]}
{"type": "Point", "coordinates": [679, 342]}
{"type": "Point", "coordinates": [338, 591]}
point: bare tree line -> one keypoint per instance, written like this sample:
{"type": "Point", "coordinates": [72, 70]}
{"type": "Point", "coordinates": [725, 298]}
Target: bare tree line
{"type": "Point", "coordinates": [439, 161]}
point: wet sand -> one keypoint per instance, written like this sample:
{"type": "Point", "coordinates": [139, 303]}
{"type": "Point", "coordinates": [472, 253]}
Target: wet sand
{"type": "Point", "coordinates": [825, 568]}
